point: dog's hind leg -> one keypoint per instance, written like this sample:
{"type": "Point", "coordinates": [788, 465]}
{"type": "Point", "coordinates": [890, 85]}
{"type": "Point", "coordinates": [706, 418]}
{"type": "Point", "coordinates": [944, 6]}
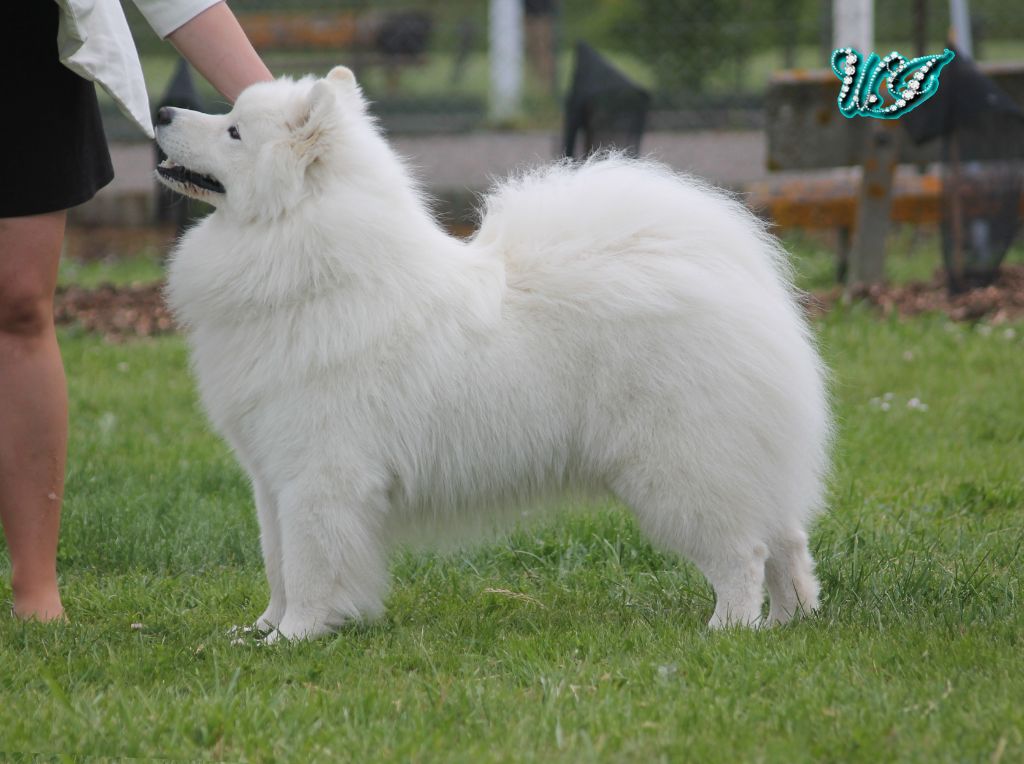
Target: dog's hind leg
{"type": "Point", "coordinates": [736, 573]}
{"type": "Point", "coordinates": [789, 573]}
{"type": "Point", "coordinates": [333, 564]}
{"type": "Point", "coordinates": [730, 556]}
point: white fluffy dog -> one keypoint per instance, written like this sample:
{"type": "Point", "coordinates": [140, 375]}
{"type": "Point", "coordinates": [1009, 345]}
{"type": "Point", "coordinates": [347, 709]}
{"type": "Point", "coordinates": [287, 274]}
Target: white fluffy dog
{"type": "Point", "coordinates": [612, 327]}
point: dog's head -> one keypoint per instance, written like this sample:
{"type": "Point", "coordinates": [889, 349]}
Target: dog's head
{"type": "Point", "coordinates": [269, 152]}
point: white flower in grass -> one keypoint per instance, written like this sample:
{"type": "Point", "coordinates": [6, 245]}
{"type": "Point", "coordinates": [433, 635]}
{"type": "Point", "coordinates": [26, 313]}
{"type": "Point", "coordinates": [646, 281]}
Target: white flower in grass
{"type": "Point", "coordinates": [106, 422]}
{"type": "Point", "coordinates": [908, 355]}
{"type": "Point", "coordinates": [238, 641]}
{"type": "Point", "coordinates": [915, 403]}
{"type": "Point", "coordinates": [137, 627]}
{"type": "Point", "coordinates": [1009, 333]}
{"type": "Point", "coordinates": [984, 329]}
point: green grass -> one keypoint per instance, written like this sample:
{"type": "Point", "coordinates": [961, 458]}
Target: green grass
{"type": "Point", "coordinates": [142, 268]}
{"type": "Point", "coordinates": [913, 253]}
{"type": "Point", "coordinates": [915, 656]}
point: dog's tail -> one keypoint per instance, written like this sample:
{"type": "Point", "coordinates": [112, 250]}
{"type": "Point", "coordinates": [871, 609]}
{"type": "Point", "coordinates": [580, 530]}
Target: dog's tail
{"type": "Point", "coordinates": [613, 204]}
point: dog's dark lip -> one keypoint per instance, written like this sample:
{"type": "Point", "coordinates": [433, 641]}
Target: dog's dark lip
{"type": "Point", "coordinates": [185, 176]}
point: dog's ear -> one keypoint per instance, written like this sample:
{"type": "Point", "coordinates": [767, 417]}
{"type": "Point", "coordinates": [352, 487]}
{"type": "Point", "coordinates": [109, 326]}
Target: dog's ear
{"type": "Point", "coordinates": [344, 81]}
{"type": "Point", "coordinates": [317, 122]}
{"type": "Point", "coordinates": [342, 75]}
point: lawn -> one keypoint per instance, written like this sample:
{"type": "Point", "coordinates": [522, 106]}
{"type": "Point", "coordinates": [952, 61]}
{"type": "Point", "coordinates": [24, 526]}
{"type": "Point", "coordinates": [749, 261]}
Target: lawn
{"type": "Point", "coordinates": [571, 641]}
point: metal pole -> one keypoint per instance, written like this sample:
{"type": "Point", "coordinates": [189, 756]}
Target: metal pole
{"type": "Point", "coordinates": [960, 18]}
{"type": "Point", "coordinates": [920, 26]}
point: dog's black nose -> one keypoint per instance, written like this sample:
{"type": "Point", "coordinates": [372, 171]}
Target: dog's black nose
{"type": "Point", "coordinates": [164, 116]}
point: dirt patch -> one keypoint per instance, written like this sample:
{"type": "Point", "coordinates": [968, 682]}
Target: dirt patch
{"type": "Point", "coordinates": [119, 312]}
{"type": "Point", "coordinates": [1002, 301]}
{"type": "Point", "coordinates": [116, 312]}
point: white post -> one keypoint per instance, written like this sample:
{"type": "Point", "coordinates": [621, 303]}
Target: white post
{"type": "Point", "coordinates": [506, 43]}
{"type": "Point", "coordinates": [853, 25]}
{"type": "Point", "coordinates": [960, 17]}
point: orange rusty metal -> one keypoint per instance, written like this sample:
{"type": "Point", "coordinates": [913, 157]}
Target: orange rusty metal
{"type": "Point", "coordinates": [786, 76]}
{"type": "Point", "coordinates": [300, 30]}
{"type": "Point", "coordinates": [876, 190]}
{"type": "Point", "coordinates": [832, 203]}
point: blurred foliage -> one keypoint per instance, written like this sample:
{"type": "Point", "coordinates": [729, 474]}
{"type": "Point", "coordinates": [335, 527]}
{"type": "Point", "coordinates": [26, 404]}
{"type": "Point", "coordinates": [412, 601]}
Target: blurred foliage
{"type": "Point", "coordinates": [695, 54]}
{"type": "Point", "coordinates": [650, 26]}
{"type": "Point", "coordinates": [689, 43]}
{"type": "Point", "coordinates": [686, 41]}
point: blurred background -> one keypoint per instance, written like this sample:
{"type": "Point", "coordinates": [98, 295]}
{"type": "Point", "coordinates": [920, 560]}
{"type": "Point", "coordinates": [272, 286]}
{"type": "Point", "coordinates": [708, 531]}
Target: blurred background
{"type": "Point", "coordinates": [735, 91]}
{"type": "Point", "coordinates": [425, 63]}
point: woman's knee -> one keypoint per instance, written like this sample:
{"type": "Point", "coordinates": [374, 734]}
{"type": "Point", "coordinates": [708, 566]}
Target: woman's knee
{"type": "Point", "coordinates": [26, 309]}
{"type": "Point", "coordinates": [29, 254]}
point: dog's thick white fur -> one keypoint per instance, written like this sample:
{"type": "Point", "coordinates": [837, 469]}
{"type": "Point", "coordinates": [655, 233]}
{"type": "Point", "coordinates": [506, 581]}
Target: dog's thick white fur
{"type": "Point", "coordinates": [612, 326]}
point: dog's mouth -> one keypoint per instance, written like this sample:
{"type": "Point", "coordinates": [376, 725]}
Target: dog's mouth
{"type": "Point", "coordinates": [188, 181]}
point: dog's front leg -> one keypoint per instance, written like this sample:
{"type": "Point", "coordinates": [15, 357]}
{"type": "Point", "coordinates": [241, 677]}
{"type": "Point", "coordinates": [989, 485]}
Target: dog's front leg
{"type": "Point", "coordinates": [270, 543]}
{"type": "Point", "coordinates": [333, 562]}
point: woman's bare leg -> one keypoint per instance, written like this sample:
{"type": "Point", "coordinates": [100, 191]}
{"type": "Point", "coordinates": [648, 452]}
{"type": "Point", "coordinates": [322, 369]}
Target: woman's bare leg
{"type": "Point", "coordinates": [33, 410]}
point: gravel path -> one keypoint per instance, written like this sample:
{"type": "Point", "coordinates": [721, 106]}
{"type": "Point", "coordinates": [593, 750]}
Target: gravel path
{"type": "Point", "coordinates": [468, 161]}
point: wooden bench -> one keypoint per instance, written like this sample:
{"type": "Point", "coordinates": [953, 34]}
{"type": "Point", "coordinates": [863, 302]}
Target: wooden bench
{"type": "Point", "coordinates": [805, 131]}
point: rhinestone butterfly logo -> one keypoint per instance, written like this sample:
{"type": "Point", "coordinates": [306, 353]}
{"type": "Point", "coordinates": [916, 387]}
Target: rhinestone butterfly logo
{"type": "Point", "coordinates": [911, 82]}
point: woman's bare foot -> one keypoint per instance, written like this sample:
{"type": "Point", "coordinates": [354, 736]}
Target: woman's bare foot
{"type": "Point", "coordinates": [43, 606]}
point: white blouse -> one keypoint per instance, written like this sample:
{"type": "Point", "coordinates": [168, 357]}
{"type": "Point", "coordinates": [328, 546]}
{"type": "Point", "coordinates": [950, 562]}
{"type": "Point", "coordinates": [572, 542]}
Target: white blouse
{"type": "Point", "coordinates": [94, 41]}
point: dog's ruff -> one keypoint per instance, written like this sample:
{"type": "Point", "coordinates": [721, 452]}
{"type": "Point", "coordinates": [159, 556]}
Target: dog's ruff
{"type": "Point", "coordinates": [612, 326]}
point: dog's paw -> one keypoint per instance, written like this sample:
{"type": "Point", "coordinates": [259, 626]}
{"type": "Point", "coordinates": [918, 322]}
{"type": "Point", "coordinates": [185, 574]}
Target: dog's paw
{"type": "Point", "coordinates": [296, 630]}
{"type": "Point", "coordinates": [270, 619]}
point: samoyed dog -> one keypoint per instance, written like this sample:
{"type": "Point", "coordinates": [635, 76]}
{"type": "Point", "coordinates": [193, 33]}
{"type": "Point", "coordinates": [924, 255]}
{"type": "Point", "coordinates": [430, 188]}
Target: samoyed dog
{"type": "Point", "coordinates": [612, 327]}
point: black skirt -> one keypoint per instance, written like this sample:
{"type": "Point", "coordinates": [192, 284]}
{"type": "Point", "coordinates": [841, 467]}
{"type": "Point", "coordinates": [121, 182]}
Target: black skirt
{"type": "Point", "coordinates": [54, 154]}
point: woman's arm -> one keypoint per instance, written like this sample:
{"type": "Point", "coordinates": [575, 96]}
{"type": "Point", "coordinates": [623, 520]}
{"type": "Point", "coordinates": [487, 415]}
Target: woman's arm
{"type": "Point", "coordinates": [215, 44]}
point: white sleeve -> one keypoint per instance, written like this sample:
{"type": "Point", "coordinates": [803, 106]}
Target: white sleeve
{"type": "Point", "coordinates": [167, 15]}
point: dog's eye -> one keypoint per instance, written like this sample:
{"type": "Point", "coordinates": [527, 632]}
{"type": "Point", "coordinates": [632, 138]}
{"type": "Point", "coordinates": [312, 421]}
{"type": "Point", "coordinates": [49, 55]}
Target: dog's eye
{"type": "Point", "coordinates": [233, 132]}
